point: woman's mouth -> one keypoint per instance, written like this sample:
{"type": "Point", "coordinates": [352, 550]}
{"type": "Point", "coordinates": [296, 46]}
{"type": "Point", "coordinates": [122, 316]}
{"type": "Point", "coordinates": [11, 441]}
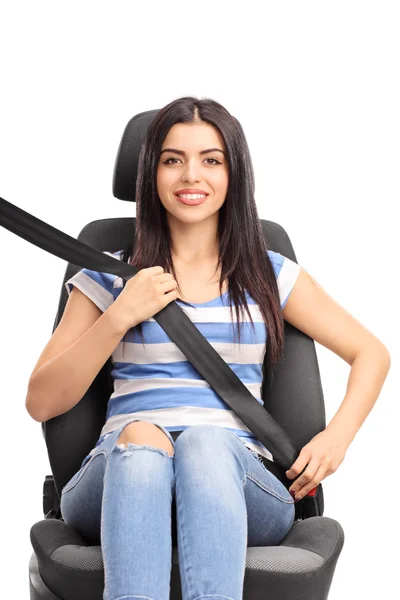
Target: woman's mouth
{"type": "Point", "coordinates": [191, 199]}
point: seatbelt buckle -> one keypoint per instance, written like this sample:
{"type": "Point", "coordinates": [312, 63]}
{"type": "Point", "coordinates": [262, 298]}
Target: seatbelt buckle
{"type": "Point", "coordinates": [308, 506]}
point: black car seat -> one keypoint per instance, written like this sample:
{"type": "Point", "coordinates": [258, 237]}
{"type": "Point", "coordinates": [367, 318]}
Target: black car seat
{"type": "Point", "coordinates": [66, 566]}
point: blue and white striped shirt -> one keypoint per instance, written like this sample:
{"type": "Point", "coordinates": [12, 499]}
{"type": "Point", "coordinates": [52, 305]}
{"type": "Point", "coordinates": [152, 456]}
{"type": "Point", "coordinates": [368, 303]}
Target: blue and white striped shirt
{"type": "Point", "coordinates": [155, 382]}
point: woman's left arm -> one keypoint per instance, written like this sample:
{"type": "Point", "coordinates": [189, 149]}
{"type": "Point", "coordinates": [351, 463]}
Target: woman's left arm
{"type": "Point", "coordinates": [311, 310]}
{"type": "Point", "coordinates": [367, 376]}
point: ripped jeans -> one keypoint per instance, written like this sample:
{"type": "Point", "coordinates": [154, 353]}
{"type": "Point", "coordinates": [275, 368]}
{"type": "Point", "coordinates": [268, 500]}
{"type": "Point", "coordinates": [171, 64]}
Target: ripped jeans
{"type": "Point", "coordinates": [124, 498]}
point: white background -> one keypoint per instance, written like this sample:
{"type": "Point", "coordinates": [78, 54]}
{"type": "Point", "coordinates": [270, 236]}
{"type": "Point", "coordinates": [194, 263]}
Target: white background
{"type": "Point", "coordinates": [316, 88]}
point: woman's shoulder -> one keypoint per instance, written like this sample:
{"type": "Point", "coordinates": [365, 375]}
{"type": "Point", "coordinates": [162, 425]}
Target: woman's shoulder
{"type": "Point", "coordinates": [280, 261]}
{"type": "Point", "coordinates": [101, 287]}
{"type": "Point", "coordinates": [286, 272]}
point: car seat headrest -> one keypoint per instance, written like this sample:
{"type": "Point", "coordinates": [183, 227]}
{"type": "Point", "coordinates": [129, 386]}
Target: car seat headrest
{"type": "Point", "coordinates": [127, 159]}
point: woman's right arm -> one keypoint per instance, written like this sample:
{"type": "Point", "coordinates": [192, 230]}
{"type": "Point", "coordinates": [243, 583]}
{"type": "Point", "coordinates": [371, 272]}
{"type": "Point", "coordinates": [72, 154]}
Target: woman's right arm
{"type": "Point", "coordinates": [60, 383]}
{"type": "Point", "coordinates": [85, 338]}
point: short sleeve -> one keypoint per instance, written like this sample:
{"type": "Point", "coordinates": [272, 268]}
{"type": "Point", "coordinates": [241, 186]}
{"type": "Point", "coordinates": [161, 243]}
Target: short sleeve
{"type": "Point", "coordinates": [99, 287]}
{"type": "Point", "coordinates": [286, 272]}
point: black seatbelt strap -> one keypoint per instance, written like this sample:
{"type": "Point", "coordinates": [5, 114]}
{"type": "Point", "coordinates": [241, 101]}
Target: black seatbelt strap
{"type": "Point", "coordinates": [176, 324]}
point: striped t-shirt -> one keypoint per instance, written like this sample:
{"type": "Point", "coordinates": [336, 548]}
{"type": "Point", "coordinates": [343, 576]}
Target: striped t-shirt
{"type": "Point", "coordinates": [156, 383]}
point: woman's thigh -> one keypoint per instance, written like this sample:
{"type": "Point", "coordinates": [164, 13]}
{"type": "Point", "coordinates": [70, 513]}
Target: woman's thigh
{"type": "Point", "coordinates": [81, 497]}
{"type": "Point", "coordinates": [270, 507]}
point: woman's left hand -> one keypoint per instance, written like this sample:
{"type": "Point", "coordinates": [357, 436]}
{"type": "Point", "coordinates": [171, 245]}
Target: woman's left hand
{"type": "Point", "coordinates": [323, 454]}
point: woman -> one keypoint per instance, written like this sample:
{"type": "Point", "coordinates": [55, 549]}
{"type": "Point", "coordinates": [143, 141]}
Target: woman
{"type": "Point", "coordinates": [198, 242]}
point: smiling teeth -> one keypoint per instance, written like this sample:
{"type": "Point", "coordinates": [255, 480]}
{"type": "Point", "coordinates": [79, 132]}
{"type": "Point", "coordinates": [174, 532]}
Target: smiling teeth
{"type": "Point", "coordinates": [191, 196]}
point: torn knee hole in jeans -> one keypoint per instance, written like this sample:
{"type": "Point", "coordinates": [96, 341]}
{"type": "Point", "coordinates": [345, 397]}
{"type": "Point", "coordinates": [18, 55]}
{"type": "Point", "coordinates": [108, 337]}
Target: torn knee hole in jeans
{"type": "Point", "coordinates": [128, 450]}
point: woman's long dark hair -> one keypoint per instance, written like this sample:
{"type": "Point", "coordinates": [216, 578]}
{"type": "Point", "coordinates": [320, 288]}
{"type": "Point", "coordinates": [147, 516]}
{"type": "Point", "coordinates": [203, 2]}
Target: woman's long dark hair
{"type": "Point", "coordinates": [243, 256]}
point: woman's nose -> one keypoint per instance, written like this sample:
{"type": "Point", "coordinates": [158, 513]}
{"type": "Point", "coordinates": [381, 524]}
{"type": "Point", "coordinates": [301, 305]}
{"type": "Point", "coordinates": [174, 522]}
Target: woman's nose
{"type": "Point", "coordinates": [191, 172]}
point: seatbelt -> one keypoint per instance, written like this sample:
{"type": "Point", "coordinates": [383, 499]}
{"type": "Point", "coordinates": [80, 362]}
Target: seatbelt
{"type": "Point", "coordinates": [179, 328]}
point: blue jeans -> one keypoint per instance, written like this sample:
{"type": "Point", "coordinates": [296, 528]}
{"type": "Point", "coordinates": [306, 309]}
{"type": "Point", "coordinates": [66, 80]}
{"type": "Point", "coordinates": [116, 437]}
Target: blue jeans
{"type": "Point", "coordinates": [226, 500]}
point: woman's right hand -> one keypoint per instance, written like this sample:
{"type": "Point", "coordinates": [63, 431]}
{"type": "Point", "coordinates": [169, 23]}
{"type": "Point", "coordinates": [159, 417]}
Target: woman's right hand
{"type": "Point", "coordinates": [144, 295]}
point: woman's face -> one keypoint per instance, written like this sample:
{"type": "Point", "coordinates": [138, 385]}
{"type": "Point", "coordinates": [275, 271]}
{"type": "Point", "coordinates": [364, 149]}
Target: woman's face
{"type": "Point", "coordinates": [190, 169]}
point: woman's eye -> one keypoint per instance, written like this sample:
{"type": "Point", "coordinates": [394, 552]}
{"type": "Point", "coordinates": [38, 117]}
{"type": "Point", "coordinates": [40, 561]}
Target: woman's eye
{"type": "Point", "coordinates": [166, 162]}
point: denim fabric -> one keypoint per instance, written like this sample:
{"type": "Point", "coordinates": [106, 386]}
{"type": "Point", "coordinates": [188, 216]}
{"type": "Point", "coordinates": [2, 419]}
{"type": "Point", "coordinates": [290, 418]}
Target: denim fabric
{"type": "Point", "coordinates": [123, 498]}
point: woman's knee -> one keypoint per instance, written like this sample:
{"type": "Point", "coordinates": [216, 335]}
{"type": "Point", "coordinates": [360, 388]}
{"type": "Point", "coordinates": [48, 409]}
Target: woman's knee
{"type": "Point", "coordinates": [145, 434]}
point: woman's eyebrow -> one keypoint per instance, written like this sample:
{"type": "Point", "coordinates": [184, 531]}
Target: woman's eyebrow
{"type": "Point", "coordinates": [183, 153]}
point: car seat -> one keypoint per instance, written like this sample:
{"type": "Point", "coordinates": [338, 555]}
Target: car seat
{"type": "Point", "coordinates": [66, 566]}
